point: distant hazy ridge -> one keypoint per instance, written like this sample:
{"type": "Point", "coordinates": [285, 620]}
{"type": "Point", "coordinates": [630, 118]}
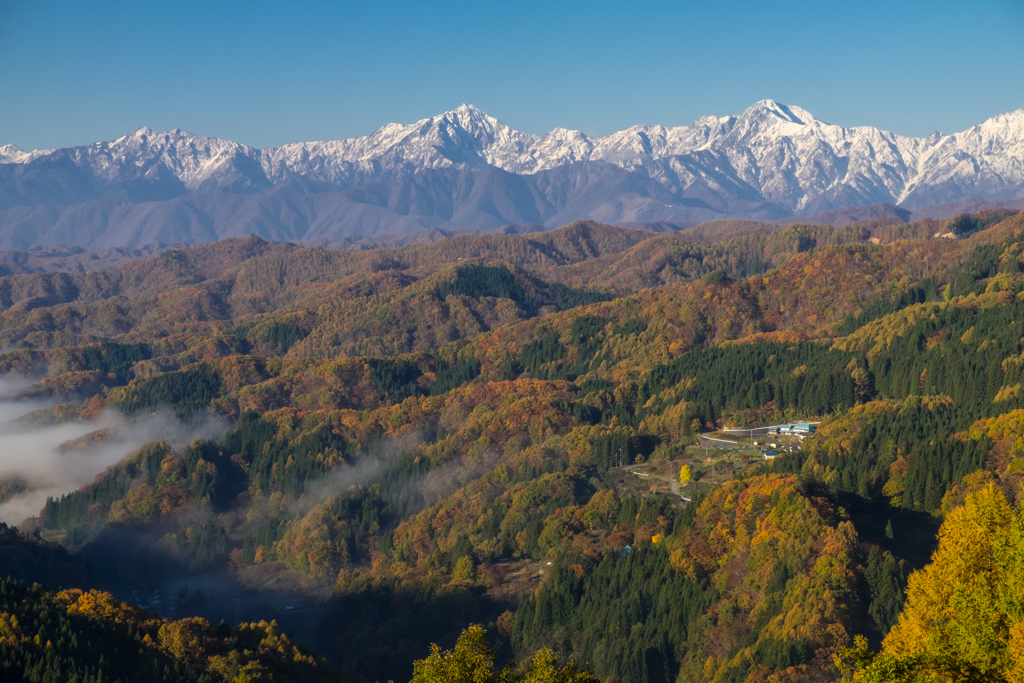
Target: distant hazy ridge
{"type": "Point", "coordinates": [465, 169]}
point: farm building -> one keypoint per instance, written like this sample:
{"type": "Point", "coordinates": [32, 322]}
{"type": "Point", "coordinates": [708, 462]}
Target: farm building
{"type": "Point", "coordinates": [798, 428]}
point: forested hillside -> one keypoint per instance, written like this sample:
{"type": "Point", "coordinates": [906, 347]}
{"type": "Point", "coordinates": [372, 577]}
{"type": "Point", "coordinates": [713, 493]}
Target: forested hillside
{"type": "Point", "coordinates": [532, 434]}
{"type": "Point", "coordinates": [74, 635]}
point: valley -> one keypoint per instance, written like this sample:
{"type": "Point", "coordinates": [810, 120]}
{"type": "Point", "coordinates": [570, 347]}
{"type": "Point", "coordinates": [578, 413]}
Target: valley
{"type": "Point", "coordinates": [317, 462]}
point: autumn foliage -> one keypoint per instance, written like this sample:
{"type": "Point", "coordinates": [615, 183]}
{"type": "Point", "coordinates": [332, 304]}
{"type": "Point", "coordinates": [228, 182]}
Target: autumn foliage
{"type": "Point", "coordinates": [437, 435]}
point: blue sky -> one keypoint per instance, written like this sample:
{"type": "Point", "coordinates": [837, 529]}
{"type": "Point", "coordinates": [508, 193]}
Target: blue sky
{"type": "Point", "coordinates": [268, 73]}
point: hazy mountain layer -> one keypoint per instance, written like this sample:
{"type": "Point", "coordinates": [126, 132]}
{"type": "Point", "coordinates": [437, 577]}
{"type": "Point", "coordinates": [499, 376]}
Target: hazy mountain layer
{"type": "Point", "coordinates": [465, 169]}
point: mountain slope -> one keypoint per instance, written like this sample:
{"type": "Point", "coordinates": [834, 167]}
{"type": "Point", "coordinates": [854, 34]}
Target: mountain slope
{"type": "Point", "coordinates": [470, 454]}
{"type": "Point", "coordinates": [465, 169]}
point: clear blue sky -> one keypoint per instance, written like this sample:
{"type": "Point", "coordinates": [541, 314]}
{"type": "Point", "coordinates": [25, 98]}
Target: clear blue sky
{"type": "Point", "coordinates": [73, 72]}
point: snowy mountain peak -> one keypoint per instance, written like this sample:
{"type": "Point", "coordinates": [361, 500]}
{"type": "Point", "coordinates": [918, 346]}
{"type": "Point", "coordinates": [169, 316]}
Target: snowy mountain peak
{"type": "Point", "coordinates": [175, 136]}
{"type": "Point", "coordinates": [1010, 123]}
{"type": "Point", "coordinates": [787, 113]}
{"type": "Point", "coordinates": [468, 113]}
{"type": "Point", "coordinates": [176, 159]}
{"type": "Point", "coordinates": [10, 154]}
{"type": "Point", "coordinates": [771, 155]}
{"type": "Point", "coordinates": [482, 127]}
{"type": "Point", "coordinates": [468, 110]}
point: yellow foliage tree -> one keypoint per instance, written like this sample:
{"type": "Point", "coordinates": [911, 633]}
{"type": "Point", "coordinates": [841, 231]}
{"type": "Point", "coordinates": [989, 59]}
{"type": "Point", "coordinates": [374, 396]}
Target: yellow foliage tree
{"type": "Point", "coordinates": [472, 661]}
{"type": "Point", "coordinates": [185, 639]}
{"type": "Point", "coordinates": [463, 570]}
{"type": "Point", "coordinates": [684, 474]}
{"type": "Point", "coordinates": [964, 615]}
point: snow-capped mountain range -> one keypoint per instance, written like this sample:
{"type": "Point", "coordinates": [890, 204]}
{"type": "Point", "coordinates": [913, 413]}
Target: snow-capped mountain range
{"type": "Point", "coordinates": [464, 168]}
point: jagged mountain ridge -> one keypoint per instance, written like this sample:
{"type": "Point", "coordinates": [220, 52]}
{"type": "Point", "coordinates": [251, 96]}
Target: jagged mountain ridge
{"type": "Point", "coordinates": [467, 169]}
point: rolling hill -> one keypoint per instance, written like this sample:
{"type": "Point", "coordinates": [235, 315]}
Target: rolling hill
{"type": "Point", "coordinates": [379, 449]}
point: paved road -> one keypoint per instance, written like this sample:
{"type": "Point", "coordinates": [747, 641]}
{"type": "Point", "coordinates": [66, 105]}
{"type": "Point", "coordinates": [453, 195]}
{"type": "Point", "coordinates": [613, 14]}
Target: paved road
{"type": "Point", "coordinates": [711, 438]}
{"type": "Point", "coordinates": [672, 483]}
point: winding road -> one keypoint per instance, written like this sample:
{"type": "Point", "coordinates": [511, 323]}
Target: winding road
{"type": "Point", "coordinates": [672, 483]}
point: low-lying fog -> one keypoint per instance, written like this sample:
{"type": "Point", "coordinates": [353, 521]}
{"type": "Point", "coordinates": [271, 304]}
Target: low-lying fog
{"type": "Point", "coordinates": [32, 452]}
